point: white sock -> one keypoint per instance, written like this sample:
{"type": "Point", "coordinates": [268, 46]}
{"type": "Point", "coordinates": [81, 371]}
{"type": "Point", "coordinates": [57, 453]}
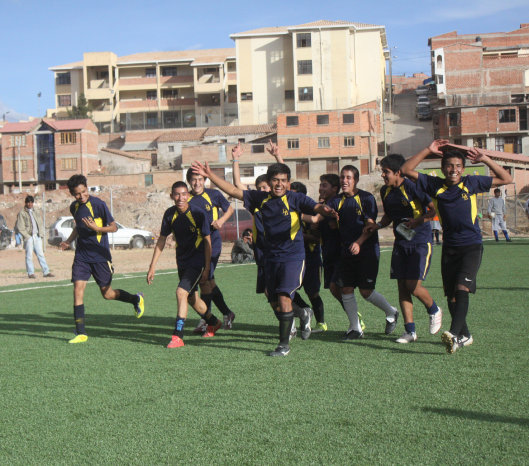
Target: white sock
{"type": "Point", "coordinates": [351, 309]}
{"type": "Point", "coordinates": [379, 301]}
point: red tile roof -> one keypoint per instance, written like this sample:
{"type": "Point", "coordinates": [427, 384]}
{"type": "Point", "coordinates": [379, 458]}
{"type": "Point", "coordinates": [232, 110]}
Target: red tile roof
{"type": "Point", "coordinates": [131, 155]}
{"type": "Point", "coordinates": [19, 127]}
{"type": "Point", "coordinates": [184, 134]}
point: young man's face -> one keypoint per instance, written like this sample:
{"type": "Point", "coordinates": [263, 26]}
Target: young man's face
{"type": "Point", "coordinates": [347, 181]}
{"type": "Point", "coordinates": [497, 193]}
{"type": "Point", "coordinates": [453, 170]}
{"type": "Point", "coordinates": [197, 184]}
{"type": "Point", "coordinates": [80, 193]}
{"type": "Point", "coordinates": [279, 184]}
{"type": "Point", "coordinates": [263, 186]}
{"type": "Point", "coordinates": [390, 177]}
{"type": "Point", "coordinates": [327, 190]}
{"type": "Point", "coordinates": [180, 197]}
{"type": "Point", "coordinates": [29, 204]}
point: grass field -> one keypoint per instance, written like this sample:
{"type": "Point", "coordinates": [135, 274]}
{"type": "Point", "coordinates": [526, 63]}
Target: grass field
{"type": "Point", "coordinates": [123, 398]}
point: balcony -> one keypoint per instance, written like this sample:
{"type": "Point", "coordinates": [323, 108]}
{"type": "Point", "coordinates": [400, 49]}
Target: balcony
{"type": "Point", "coordinates": [208, 83]}
{"type": "Point", "coordinates": [136, 83]}
{"type": "Point", "coordinates": [139, 104]}
{"type": "Point", "coordinates": [168, 104]}
{"type": "Point", "coordinates": [99, 90]}
{"type": "Point", "coordinates": [176, 81]}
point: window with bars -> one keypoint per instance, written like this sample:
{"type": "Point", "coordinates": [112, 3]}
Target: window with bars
{"type": "Point", "coordinates": [322, 119]}
{"type": "Point", "coordinates": [63, 78]}
{"type": "Point", "coordinates": [324, 142]}
{"type": "Point", "coordinates": [69, 164]}
{"type": "Point", "coordinates": [68, 138]}
{"type": "Point", "coordinates": [304, 66]}
{"type": "Point", "coordinates": [305, 93]}
{"type": "Point", "coordinates": [23, 166]}
{"type": "Point", "coordinates": [348, 118]}
{"type": "Point", "coordinates": [293, 144]}
{"type": "Point", "coordinates": [246, 95]}
{"type": "Point", "coordinates": [292, 121]}
{"type": "Point", "coordinates": [64, 100]}
{"type": "Point", "coordinates": [507, 115]}
{"type": "Point", "coordinates": [151, 95]}
{"type": "Point", "coordinates": [303, 39]}
{"type": "Point", "coordinates": [169, 71]}
{"type": "Point", "coordinates": [150, 72]}
{"type": "Point", "coordinates": [348, 141]}
{"type": "Point", "coordinates": [19, 140]}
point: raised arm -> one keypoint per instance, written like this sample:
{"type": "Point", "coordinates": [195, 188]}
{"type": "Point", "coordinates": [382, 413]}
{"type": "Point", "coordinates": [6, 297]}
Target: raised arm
{"type": "Point", "coordinates": [223, 185]}
{"type": "Point", "coordinates": [408, 169]}
{"type": "Point", "coordinates": [236, 153]}
{"type": "Point", "coordinates": [502, 177]}
{"type": "Point", "coordinates": [273, 149]}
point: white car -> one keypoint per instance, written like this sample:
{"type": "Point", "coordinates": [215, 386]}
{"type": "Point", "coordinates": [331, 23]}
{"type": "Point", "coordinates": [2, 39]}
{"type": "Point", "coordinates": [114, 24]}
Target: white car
{"type": "Point", "coordinates": [423, 100]}
{"type": "Point", "coordinates": [128, 237]}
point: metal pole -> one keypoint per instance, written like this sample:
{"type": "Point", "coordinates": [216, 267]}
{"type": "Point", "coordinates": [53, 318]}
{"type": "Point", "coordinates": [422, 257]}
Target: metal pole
{"type": "Point", "coordinates": [19, 166]}
{"type": "Point", "coordinates": [390, 85]}
{"type": "Point", "coordinates": [44, 220]}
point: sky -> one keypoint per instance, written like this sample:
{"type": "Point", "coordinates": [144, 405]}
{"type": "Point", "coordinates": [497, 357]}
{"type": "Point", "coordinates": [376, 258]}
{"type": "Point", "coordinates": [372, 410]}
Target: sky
{"type": "Point", "coordinates": [37, 35]}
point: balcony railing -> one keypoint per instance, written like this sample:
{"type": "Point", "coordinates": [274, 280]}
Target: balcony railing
{"type": "Point", "coordinates": [176, 80]}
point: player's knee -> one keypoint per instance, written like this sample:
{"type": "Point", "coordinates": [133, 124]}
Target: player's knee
{"type": "Point", "coordinates": [365, 293]}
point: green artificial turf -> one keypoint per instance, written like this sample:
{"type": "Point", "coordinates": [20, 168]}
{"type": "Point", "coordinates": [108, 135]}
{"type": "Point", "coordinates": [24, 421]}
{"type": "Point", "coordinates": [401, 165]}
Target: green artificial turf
{"type": "Point", "coordinates": [123, 398]}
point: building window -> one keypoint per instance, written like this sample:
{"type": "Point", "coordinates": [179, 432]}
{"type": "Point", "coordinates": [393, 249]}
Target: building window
{"type": "Point", "coordinates": [169, 71]}
{"type": "Point", "coordinates": [332, 166]}
{"type": "Point", "coordinates": [348, 118]}
{"type": "Point", "coordinates": [102, 75]}
{"type": "Point", "coordinates": [479, 143]}
{"type": "Point", "coordinates": [246, 171]}
{"type": "Point", "coordinates": [304, 66]}
{"type": "Point", "coordinates": [219, 172]}
{"type": "Point", "coordinates": [348, 141]}
{"type": "Point", "coordinates": [305, 93]}
{"type": "Point", "coordinates": [169, 93]}
{"type": "Point", "coordinates": [64, 100]}
{"type": "Point", "coordinates": [152, 120]}
{"type": "Point", "coordinates": [151, 95]}
{"type": "Point", "coordinates": [23, 166]}
{"type": "Point", "coordinates": [257, 148]}
{"type": "Point", "coordinates": [150, 72]}
{"type": "Point", "coordinates": [453, 119]}
{"type": "Point", "coordinates": [523, 118]}
{"type": "Point", "coordinates": [512, 144]}
{"type": "Point", "coordinates": [324, 143]}
{"type": "Point", "coordinates": [292, 121]}
{"type": "Point", "coordinates": [68, 138]}
{"type": "Point", "coordinates": [289, 94]}
{"type": "Point", "coordinates": [154, 159]}
{"type": "Point", "coordinates": [69, 164]}
{"type": "Point", "coordinates": [322, 119]}
{"type": "Point", "coordinates": [246, 95]}
{"type": "Point", "coordinates": [507, 115]}
{"type": "Point", "coordinates": [303, 39]}
{"type": "Point", "coordinates": [439, 78]}
{"type": "Point", "coordinates": [302, 169]}
{"type": "Point", "coordinates": [293, 144]}
{"type": "Point", "coordinates": [63, 78]}
{"type": "Point", "coordinates": [18, 141]}
{"type": "Point", "coordinates": [170, 148]}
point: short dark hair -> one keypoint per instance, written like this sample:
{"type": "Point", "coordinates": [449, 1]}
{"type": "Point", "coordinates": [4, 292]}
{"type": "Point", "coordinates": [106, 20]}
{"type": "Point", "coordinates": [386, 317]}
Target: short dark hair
{"type": "Point", "coordinates": [277, 169]}
{"type": "Point", "coordinates": [260, 179]}
{"type": "Point", "coordinates": [332, 179]}
{"type": "Point", "coordinates": [191, 173]}
{"type": "Point", "coordinates": [497, 190]}
{"type": "Point", "coordinates": [29, 199]}
{"type": "Point", "coordinates": [178, 184]}
{"type": "Point", "coordinates": [247, 232]}
{"type": "Point", "coordinates": [351, 168]}
{"type": "Point", "coordinates": [298, 187]}
{"type": "Point", "coordinates": [452, 154]}
{"type": "Point", "coordinates": [76, 180]}
{"type": "Point", "coordinates": [392, 162]}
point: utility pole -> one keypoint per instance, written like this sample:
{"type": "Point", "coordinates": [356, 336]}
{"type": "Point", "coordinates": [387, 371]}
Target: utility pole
{"type": "Point", "coordinates": [19, 164]}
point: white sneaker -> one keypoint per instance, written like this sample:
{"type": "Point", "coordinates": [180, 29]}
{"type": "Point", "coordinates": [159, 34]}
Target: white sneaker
{"type": "Point", "coordinates": [435, 321]}
{"type": "Point", "coordinates": [201, 326]}
{"type": "Point", "coordinates": [407, 338]}
{"type": "Point", "coordinates": [293, 331]}
{"type": "Point", "coordinates": [466, 341]}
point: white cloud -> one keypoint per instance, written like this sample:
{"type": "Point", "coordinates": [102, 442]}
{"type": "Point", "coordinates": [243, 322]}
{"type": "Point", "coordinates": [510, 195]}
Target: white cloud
{"type": "Point", "coordinates": [10, 114]}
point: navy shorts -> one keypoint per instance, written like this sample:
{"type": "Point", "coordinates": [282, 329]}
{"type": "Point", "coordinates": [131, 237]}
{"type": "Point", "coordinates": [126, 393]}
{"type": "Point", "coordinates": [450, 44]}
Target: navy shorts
{"type": "Point", "coordinates": [331, 272]}
{"type": "Point", "coordinates": [312, 278]}
{"type": "Point", "coordinates": [283, 277]}
{"type": "Point", "coordinates": [213, 266]}
{"type": "Point", "coordinates": [189, 278]}
{"type": "Point", "coordinates": [459, 266]}
{"type": "Point", "coordinates": [101, 271]}
{"type": "Point", "coordinates": [260, 286]}
{"type": "Point", "coordinates": [411, 262]}
{"type": "Point", "coordinates": [359, 271]}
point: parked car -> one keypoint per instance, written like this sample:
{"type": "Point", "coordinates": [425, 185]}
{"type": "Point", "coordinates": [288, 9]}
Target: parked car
{"type": "Point", "coordinates": [423, 100]}
{"type": "Point", "coordinates": [422, 90]}
{"type": "Point", "coordinates": [229, 230]}
{"type": "Point", "coordinates": [424, 112]}
{"type": "Point", "coordinates": [5, 233]}
{"type": "Point", "coordinates": [127, 237]}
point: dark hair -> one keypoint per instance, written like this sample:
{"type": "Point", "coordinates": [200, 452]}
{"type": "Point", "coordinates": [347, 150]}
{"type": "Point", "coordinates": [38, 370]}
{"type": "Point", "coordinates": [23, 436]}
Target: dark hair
{"type": "Point", "coordinates": [351, 168]}
{"type": "Point", "coordinates": [191, 173]}
{"type": "Point", "coordinates": [332, 179]}
{"type": "Point", "coordinates": [29, 199]}
{"type": "Point", "coordinates": [260, 179]}
{"type": "Point", "coordinates": [76, 180]}
{"type": "Point", "coordinates": [452, 154]}
{"type": "Point", "coordinates": [497, 190]}
{"type": "Point", "coordinates": [277, 169]}
{"type": "Point", "coordinates": [247, 232]}
{"type": "Point", "coordinates": [298, 187]}
{"type": "Point", "coordinates": [392, 162]}
{"type": "Point", "coordinates": [178, 184]}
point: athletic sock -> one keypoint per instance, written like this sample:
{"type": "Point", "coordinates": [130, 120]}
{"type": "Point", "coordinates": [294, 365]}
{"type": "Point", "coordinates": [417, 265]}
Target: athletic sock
{"type": "Point", "coordinates": [410, 328]}
{"type": "Point", "coordinates": [126, 297]}
{"type": "Point", "coordinates": [206, 297]}
{"type": "Point", "coordinates": [351, 309]}
{"type": "Point", "coordinates": [506, 234]}
{"type": "Point", "coordinates": [179, 327]}
{"type": "Point", "coordinates": [496, 235]}
{"type": "Point", "coordinates": [78, 315]}
{"type": "Point", "coordinates": [432, 309]}
{"type": "Point", "coordinates": [317, 307]}
{"type": "Point", "coordinates": [299, 300]}
{"type": "Point", "coordinates": [379, 301]}
{"type": "Point", "coordinates": [210, 318]}
{"type": "Point", "coordinates": [460, 312]}
{"type": "Point", "coordinates": [218, 299]}
{"type": "Point", "coordinates": [452, 309]}
{"type": "Point", "coordinates": [285, 324]}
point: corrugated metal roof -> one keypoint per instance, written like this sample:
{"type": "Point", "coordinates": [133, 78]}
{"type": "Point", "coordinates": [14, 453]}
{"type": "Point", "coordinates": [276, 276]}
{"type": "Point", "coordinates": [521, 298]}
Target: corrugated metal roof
{"type": "Point", "coordinates": [245, 129]}
{"type": "Point", "coordinates": [183, 135]}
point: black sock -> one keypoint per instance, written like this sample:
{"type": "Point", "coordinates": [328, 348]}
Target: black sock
{"type": "Point", "coordinates": [451, 308]}
{"type": "Point", "coordinates": [299, 300]}
{"type": "Point", "coordinates": [207, 299]}
{"type": "Point", "coordinates": [460, 313]}
{"type": "Point", "coordinates": [285, 324]}
{"type": "Point", "coordinates": [78, 315]}
{"type": "Point", "coordinates": [317, 307]}
{"type": "Point", "coordinates": [126, 297]}
{"type": "Point", "coordinates": [179, 327]}
{"type": "Point", "coordinates": [210, 318]}
{"type": "Point", "coordinates": [218, 299]}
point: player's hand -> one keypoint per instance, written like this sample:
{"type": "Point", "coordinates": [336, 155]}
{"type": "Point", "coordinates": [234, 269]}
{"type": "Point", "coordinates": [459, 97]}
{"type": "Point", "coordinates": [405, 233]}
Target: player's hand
{"type": "Point", "coordinates": [201, 169]}
{"type": "Point", "coordinates": [475, 155]}
{"type": "Point", "coordinates": [328, 212]}
{"type": "Point", "coordinates": [354, 249]}
{"type": "Point", "coordinates": [413, 223]}
{"type": "Point", "coordinates": [371, 227]}
{"type": "Point", "coordinates": [236, 151]}
{"type": "Point", "coordinates": [205, 276]}
{"type": "Point", "coordinates": [435, 146]}
{"type": "Point", "coordinates": [64, 245]}
{"type": "Point", "coordinates": [150, 276]}
{"type": "Point", "coordinates": [273, 149]}
{"type": "Point", "coordinates": [90, 223]}
{"type": "Point", "coordinates": [217, 224]}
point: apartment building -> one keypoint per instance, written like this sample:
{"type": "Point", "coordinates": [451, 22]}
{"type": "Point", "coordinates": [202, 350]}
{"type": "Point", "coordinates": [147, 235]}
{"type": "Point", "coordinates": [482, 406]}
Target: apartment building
{"type": "Point", "coordinates": [46, 152]}
{"type": "Point", "coordinates": [482, 83]}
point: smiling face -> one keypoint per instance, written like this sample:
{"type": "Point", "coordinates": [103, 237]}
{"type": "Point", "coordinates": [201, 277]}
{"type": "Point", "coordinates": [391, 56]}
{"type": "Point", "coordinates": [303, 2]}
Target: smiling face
{"type": "Point", "coordinates": [197, 184]}
{"type": "Point", "coordinates": [348, 182]}
{"type": "Point", "coordinates": [279, 184]}
{"type": "Point", "coordinates": [180, 196]}
{"type": "Point", "coordinates": [81, 194]}
{"type": "Point", "coordinates": [391, 178]}
{"type": "Point", "coordinates": [452, 169]}
{"type": "Point", "coordinates": [327, 190]}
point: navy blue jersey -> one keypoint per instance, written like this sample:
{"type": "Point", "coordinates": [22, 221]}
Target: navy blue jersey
{"type": "Point", "coordinates": [457, 206]}
{"type": "Point", "coordinates": [330, 238]}
{"type": "Point", "coordinates": [211, 200]}
{"type": "Point", "coordinates": [403, 203]}
{"type": "Point", "coordinates": [259, 244]}
{"type": "Point", "coordinates": [91, 246]}
{"type": "Point", "coordinates": [312, 248]}
{"type": "Point", "coordinates": [281, 218]}
{"type": "Point", "coordinates": [189, 229]}
{"type": "Point", "coordinates": [354, 211]}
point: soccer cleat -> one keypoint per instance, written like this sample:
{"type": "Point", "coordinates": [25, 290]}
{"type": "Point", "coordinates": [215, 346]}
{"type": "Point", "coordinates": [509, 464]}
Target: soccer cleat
{"type": "Point", "coordinates": [281, 350]}
{"type": "Point", "coordinates": [466, 341]}
{"type": "Point", "coordinates": [407, 338]}
{"type": "Point", "coordinates": [305, 318]}
{"type": "Point", "coordinates": [49, 275]}
{"type": "Point", "coordinates": [228, 321]}
{"type": "Point", "coordinates": [435, 321]}
{"type": "Point", "coordinates": [176, 342]}
{"type": "Point", "coordinates": [451, 342]}
{"type": "Point", "coordinates": [81, 338]}
{"type": "Point", "coordinates": [139, 307]}
{"type": "Point", "coordinates": [353, 335]}
{"type": "Point", "coordinates": [32, 275]}
{"type": "Point", "coordinates": [201, 326]}
{"type": "Point", "coordinates": [390, 326]}
{"type": "Point", "coordinates": [293, 331]}
{"type": "Point", "coordinates": [362, 325]}
{"type": "Point", "coordinates": [320, 327]}
{"type": "Point", "coordinates": [211, 330]}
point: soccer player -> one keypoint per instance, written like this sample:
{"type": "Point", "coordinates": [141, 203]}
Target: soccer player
{"type": "Point", "coordinates": [191, 229]}
{"type": "Point", "coordinates": [211, 200]}
{"type": "Point", "coordinates": [93, 222]}
{"type": "Point", "coordinates": [496, 212]}
{"type": "Point", "coordinates": [407, 207]}
{"type": "Point", "coordinates": [455, 200]}
{"type": "Point", "coordinates": [360, 252]}
{"type": "Point", "coordinates": [284, 268]}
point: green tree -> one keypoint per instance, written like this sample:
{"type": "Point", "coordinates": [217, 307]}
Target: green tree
{"type": "Point", "coordinates": [82, 110]}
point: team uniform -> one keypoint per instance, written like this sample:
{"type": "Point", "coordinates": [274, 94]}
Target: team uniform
{"type": "Point", "coordinates": [330, 249]}
{"type": "Point", "coordinates": [259, 249]}
{"type": "Point", "coordinates": [313, 263]}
